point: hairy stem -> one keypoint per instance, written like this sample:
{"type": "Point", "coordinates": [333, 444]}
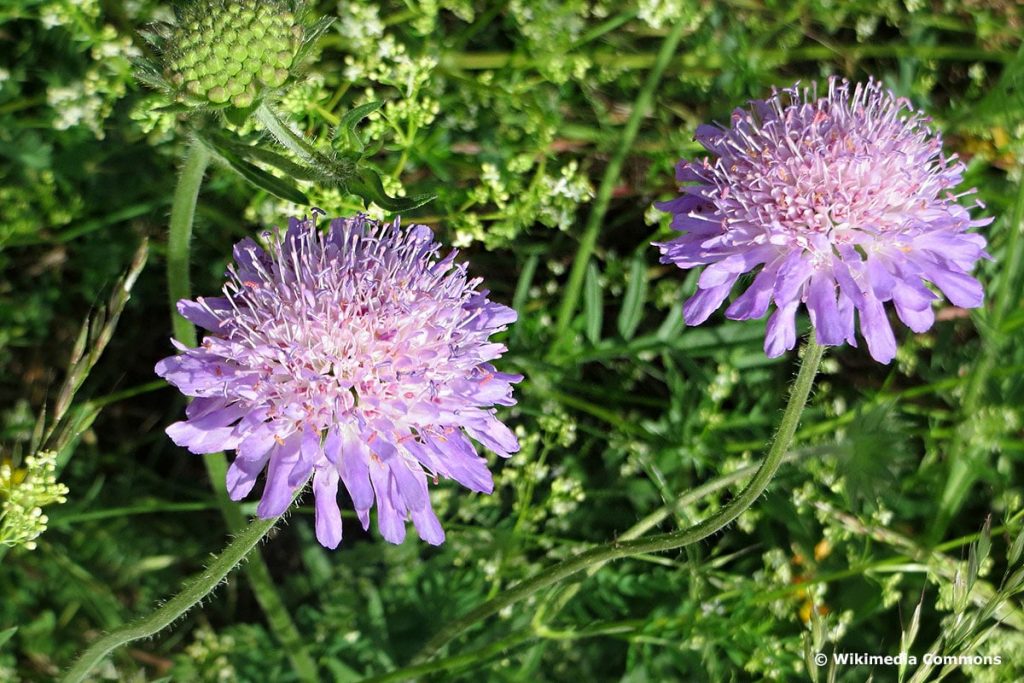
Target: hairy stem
{"type": "Point", "coordinates": [192, 592]}
{"type": "Point", "coordinates": [179, 238]}
{"type": "Point", "coordinates": [799, 392]}
{"type": "Point", "coordinates": [571, 296]}
{"type": "Point", "coordinates": [179, 287]}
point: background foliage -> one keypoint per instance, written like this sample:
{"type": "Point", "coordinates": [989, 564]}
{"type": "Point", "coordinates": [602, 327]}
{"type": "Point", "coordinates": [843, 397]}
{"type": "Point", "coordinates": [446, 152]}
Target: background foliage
{"type": "Point", "coordinates": [509, 113]}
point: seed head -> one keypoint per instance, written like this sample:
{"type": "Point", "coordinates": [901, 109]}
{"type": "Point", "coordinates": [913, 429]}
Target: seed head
{"type": "Point", "coordinates": [229, 52]}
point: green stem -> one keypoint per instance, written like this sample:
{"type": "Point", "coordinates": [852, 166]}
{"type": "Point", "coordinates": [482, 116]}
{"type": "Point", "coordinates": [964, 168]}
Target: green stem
{"type": "Point", "coordinates": [192, 593]}
{"type": "Point", "coordinates": [183, 211]}
{"type": "Point", "coordinates": [964, 464]}
{"type": "Point", "coordinates": [570, 299]}
{"type": "Point", "coordinates": [556, 601]}
{"type": "Point", "coordinates": [661, 542]}
{"type": "Point", "coordinates": [179, 287]}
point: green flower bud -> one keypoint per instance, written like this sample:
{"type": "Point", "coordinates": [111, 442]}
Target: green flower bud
{"type": "Point", "coordinates": [217, 95]}
{"type": "Point", "coordinates": [232, 51]}
{"type": "Point", "coordinates": [243, 99]}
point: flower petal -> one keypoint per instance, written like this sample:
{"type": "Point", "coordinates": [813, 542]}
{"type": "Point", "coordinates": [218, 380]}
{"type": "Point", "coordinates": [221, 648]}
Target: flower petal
{"type": "Point", "coordinates": [780, 335]}
{"type": "Point", "coordinates": [355, 471]}
{"type": "Point", "coordinates": [242, 475]}
{"type": "Point", "coordinates": [877, 331]}
{"type": "Point", "coordinates": [701, 305]}
{"type": "Point", "coordinates": [428, 526]}
{"type": "Point", "coordinates": [390, 522]}
{"type": "Point", "coordinates": [277, 494]}
{"type": "Point", "coordinates": [328, 515]}
{"type": "Point", "coordinates": [754, 302]}
{"type": "Point", "coordinates": [824, 309]}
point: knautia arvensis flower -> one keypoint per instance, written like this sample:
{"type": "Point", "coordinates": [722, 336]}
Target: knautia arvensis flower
{"type": "Point", "coordinates": [358, 356]}
{"type": "Point", "coordinates": [844, 202]}
{"type": "Point", "coordinates": [231, 52]}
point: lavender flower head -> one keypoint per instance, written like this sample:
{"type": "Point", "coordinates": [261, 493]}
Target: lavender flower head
{"type": "Point", "coordinates": [358, 356]}
{"type": "Point", "coordinates": [844, 202]}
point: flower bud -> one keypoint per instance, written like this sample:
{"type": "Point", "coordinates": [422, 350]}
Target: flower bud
{"type": "Point", "coordinates": [230, 52]}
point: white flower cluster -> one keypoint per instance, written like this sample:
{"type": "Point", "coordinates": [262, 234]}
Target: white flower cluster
{"type": "Point", "coordinates": [67, 12]}
{"type": "Point", "coordinates": [89, 101]}
{"type": "Point", "coordinates": [210, 653]}
{"type": "Point", "coordinates": [550, 199]}
{"type": "Point", "coordinates": [360, 24]}
{"type": "Point", "coordinates": [24, 492]}
{"type": "Point", "coordinates": [660, 13]}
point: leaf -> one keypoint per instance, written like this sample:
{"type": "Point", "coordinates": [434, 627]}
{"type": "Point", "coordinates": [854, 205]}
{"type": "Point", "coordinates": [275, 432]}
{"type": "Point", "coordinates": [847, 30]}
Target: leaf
{"type": "Point", "coordinates": [265, 181]}
{"type": "Point", "coordinates": [266, 156]}
{"type": "Point", "coordinates": [672, 324]}
{"type": "Point", "coordinates": [1004, 101]}
{"type": "Point", "coordinates": [523, 286]}
{"type": "Point", "coordinates": [6, 635]}
{"type": "Point", "coordinates": [372, 150]}
{"type": "Point", "coordinates": [353, 117]}
{"type": "Point", "coordinates": [1016, 549]}
{"type": "Point", "coordinates": [238, 116]}
{"type": "Point", "coordinates": [312, 33]}
{"type": "Point", "coordinates": [147, 73]}
{"type": "Point", "coordinates": [257, 176]}
{"type": "Point", "coordinates": [636, 294]}
{"type": "Point", "coordinates": [155, 35]}
{"type": "Point", "coordinates": [173, 108]}
{"type": "Point", "coordinates": [367, 184]}
{"type": "Point", "coordinates": [875, 431]}
{"type": "Point", "coordinates": [593, 308]}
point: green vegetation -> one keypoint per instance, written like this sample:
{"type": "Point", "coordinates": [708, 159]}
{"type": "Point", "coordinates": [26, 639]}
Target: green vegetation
{"type": "Point", "coordinates": [533, 135]}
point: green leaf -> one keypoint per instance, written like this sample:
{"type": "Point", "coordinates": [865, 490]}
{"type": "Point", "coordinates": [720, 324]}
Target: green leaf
{"type": "Point", "coordinates": [6, 635]}
{"type": "Point", "coordinates": [367, 184]}
{"type": "Point", "coordinates": [1016, 548]}
{"type": "Point", "coordinates": [148, 73]}
{"type": "Point", "coordinates": [1004, 101]}
{"type": "Point", "coordinates": [238, 116]}
{"type": "Point", "coordinates": [270, 157]}
{"type": "Point", "coordinates": [672, 324]}
{"type": "Point", "coordinates": [173, 108]}
{"type": "Point", "coordinates": [636, 294]}
{"type": "Point", "coordinates": [877, 430]}
{"type": "Point", "coordinates": [353, 117]}
{"type": "Point", "coordinates": [312, 34]}
{"type": "Point", "coordinates": [286, 137]}
{"type": "Point", "coordinates": [593, 307]}
{"type": "Point", "coordinates": [523, 286]}
{"type": "Point", "coordinates": [257, 176]}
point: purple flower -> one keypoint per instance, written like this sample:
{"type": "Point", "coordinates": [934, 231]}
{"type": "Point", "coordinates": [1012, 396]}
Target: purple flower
{"type": "Point", "coordinates": [844, 203]}
{"type": "Point", "coordinates": [358, 357]}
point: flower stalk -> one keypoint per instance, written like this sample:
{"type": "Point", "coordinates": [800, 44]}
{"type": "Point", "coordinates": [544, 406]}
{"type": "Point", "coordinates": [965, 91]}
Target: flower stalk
{"type": "Point", "coordinates": [186, 195]}
{"type": "Point", "coordinates": [191, 594]}
{"type": "Point", "coordinates": [179, 237]}
{"type": "Point", "coordinates": [618, 549]}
